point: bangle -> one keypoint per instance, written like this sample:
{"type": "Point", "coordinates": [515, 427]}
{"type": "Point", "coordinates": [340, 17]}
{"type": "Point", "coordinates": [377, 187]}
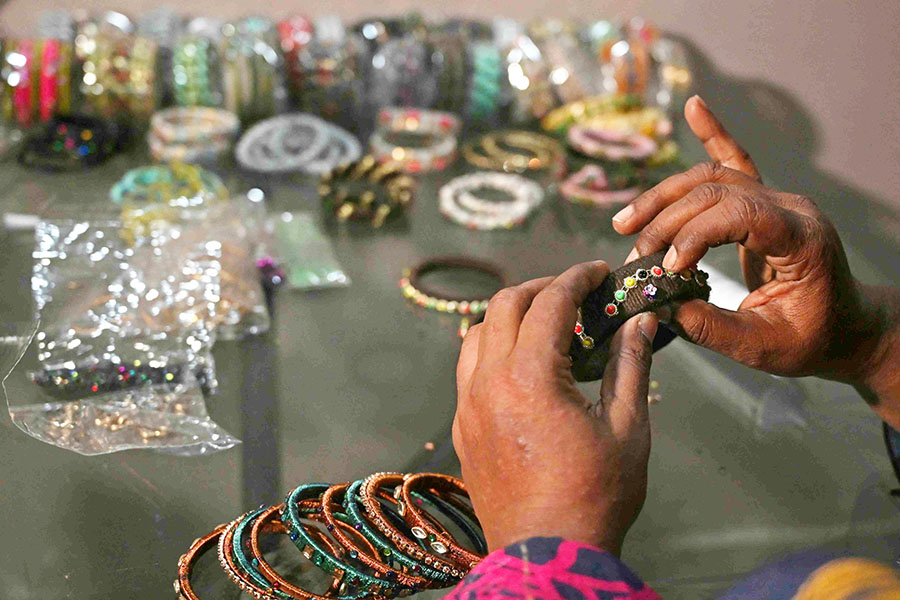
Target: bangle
{"type": "Point", "coordinates": [527, 72]}
{"type": "Point", "coordinates": [342, 147]}
{"type": "Point", "coordinates": [182, 583]}
{"type": "Point", "coordinates": [21, 80]}
{"type": "Point", "coordinates": [586, 110]}
{"type": "Point", "coordinates": [610, 144]}
{"type": "Point", "coordinates": [69, 142]}
{"type": "Point", "coordinates": [425, 296]}
{"type": "Point", "coordinates": [515, 151]}
{"type": "Point", "coordinates": [590, 186]}
{"type": "Point", "coordinates": [459, 204]}
{"type": "Point", "coordinates": [365, 584]}
{"type": "Point", "coordinates": [373, 562]}
{"type": "Point", "coordinates": [403, 73]}
{"type": "Point", "coordinates": [352, 504]}
{"type": "Point", "coordinates": [628, 63]}
{"type": "Point", "coordinates": [573, 72]}
{"type": "Point", "coordinates": [251, 66]}
{"type": "Point", "coordinates": [244, 573]}
{"type": "Point", "coordinates": [176, 185]}
{"type": "Point", "coordinates": [295, 33]}
{"type": "Point", "coordinates": [283, 143]}
{"type": "Point", "coordinates": [191, 124]}
{"type": "Point", "coordinates": [54, 91]}
{"type": "Point", "coordinates": [386, 191]}
{"type": "Point", "coordinates": [376, 515]}
{"type": "Point", "coordinates": [450, 56]}
{"type": "Point", "coordinates": [435, 130]}
{"type": "Point", "coordinates": [119, 77]}
{"type": "Point", "coordinates": [194, 71]}
{"type": "Point", "coordinates": [485, 83]}
{"type": "Point", "coordinates": [439, 541]}
{"type": "Point", "coordinates": [640, 286]}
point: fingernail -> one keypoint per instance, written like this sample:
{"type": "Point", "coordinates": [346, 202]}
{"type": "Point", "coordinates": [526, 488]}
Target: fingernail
{"type": "Point", "coordinates": [670, 258]}
{"type": "Point", "coordinates": [700, 100]}
{"type": "Point", "coordinates": [647, 325]}
{"type": "Point", "coordinates": [633, 255]}
{"type": "Point", "coordinates": [624, 214]}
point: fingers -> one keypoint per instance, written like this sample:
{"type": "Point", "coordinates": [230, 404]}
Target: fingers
{"type": "Point", "coordinates": [761, 226]}
{"type": "Point", "coordinates": [550, 320]}
{"type": "Point", "coordinates": [468, 358]}
{"type": "Point", "coordinates": [503, 317]}
{"type": "Point", "coordinates": [626, 379]}
{"type": "Point", "coordinates": [719, 144]}
{"type": "Point", "coordinates": [649, 204]}
{"type": "Point", "coordinates": [741, 335]}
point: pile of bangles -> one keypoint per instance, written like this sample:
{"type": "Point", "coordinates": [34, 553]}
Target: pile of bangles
{"type": "Point", "coordinates": [384, 536]}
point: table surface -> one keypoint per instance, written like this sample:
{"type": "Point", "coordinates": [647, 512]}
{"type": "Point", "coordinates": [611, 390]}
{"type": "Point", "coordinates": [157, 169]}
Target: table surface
{"type": "Point", "coordinates": [745, 466]}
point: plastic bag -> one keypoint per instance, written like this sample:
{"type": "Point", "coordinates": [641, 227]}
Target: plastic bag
{"type": "Point", "coordinates": [120, 357]}
{"type": "Point", "coordinates": [304, 253]}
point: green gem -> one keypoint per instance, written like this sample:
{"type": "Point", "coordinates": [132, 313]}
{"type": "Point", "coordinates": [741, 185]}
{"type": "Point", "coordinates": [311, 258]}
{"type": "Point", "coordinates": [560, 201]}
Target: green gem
{"type": "Point", "coordinates": [74, 374]}
{"type": "Point", "coordinates": [169, 376]}
{"type": "Point", "coordinates": [431, 538]}
{"type": "Point", "coordinates": [620, 295]}
{"type": "Point", "coordinates": [386, 551]}
{"type": "Point", "coordinates": [57, 146]}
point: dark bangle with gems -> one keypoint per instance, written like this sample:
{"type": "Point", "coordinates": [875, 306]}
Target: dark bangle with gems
{"type": "Point", "coordinates": [640, 286]}
{"type": "Point", "coordinates": [416, 290]}
{"type": "Point", "coordinates": [365, 190]}
{"type": "Point", "coordinates": [70, 142]}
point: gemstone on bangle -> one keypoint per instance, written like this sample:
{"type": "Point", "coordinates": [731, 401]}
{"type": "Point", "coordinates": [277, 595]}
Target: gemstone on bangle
{"type": "Point", "coordinates": [649, 291]}
{"type": "Point", "coordinates": [611, 310]}
{"type": "Point", "coordinates": [620, 295]}
{"type": "Point", "coordinates": [630, 282]}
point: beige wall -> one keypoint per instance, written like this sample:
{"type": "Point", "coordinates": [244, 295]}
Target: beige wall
{"type": "Point", "coordinates": [832, 66]}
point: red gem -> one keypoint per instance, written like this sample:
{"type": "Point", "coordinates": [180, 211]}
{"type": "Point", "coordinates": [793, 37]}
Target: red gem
{"type": "Point", "coordinates": [384, 115]}
{"type": "Point", "coordinates": [94, 388]}
{"type": "Point", "coordinates": [413, 166]}
{"type": "Point", "coordinates": [445, 123]}
{"type": "Point", "coordinates": [578, 329]}
{"type": "Point", "coordinates": [657, 271]}
{"type": "Point", "coordinates": [611, 309]}
{"type": "Point", "coordinates": [464, 309]}
{"type": "Point", "coordinates": [413, 114]}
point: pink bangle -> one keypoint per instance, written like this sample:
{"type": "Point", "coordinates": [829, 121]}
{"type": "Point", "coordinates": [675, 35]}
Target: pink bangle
{"type": "Point", "coordinates": [590, 186]}
{"type": "Point", "coordinates": [611, 144]}
{"type": "Point", "coordinates": [48, 91]}
{"type": "Point", "coordinates": [22, 101]}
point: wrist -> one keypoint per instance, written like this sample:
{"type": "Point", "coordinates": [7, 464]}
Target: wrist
{"type": "Point", "coordinates": [877, 356]}
{"type": "Point", "coordinates": [576, 527]}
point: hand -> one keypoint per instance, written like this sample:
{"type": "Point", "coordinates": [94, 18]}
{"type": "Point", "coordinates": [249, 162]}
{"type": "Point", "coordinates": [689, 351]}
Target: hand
{"type": "Point", "coordinates": [537, 458]}
{"type": "Point", "coordinates": [805, 314]}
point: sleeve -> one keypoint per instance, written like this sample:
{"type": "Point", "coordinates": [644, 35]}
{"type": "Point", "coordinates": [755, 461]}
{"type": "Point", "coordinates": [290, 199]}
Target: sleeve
{"type": "Point", "coordinates": [550, 569]}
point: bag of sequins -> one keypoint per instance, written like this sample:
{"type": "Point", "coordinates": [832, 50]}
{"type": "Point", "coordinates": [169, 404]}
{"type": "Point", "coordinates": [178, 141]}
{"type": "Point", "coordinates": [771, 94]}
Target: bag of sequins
{"type": "Point", "coordinates": [118, 356]}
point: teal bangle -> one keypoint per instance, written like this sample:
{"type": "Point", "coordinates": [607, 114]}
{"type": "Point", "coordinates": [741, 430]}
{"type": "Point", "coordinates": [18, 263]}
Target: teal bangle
{"type": "Point", "coordinates": [249, 567]}
{"type": "Point", "coordinates": [366, 584]}
{"type": "Point", "coordinates": [352, 506]}
{"type": "Point", "coordinates": [193, 65]}
{"type": "Point", "coordinates": [484, 88]}
{"type": "Point", "coordinates": [163, 184]}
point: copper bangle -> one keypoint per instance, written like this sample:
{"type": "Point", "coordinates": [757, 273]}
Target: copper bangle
{"type": "Point", "coordinates": [438, 541]}
{"type": "Point", "coordinates": [182, 583]}
{"type": "Point", "coordinates": [370, 486]}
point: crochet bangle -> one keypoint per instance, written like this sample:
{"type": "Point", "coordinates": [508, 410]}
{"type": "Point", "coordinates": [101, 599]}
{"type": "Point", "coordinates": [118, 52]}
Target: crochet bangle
{"type": "Point", "coordinates": [439, 542]}
{"type": "Point", "coordinates": [385, 191]}
{"type": "Point", "coordinates": [182, 583]}
{"type": "Point", "coordinates": [376, 515]}
{"type": "Point", "coordinates": [364, 584]}
{"type": "Point", "coordinates": [70, 142]}
{"type": "Point", "coordinates": [642, 285]}
{"type": "Point", "coordinates": [425, 296]}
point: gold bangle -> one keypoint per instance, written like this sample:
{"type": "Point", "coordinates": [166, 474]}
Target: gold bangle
{"type": "Point", "coordinates": [514, 151]}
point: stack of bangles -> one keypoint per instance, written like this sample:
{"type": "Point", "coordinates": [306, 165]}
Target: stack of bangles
{"type": "Point", "coordinates": [250, 68]}
{"type": "Point", "coordinates": [296, 142]}
{"type": "Point", "coordinates": [366, 190]}
{"type": "Point", "coordinates": [195, 71]}
{"type": "Point", "coordinates": [384, 536]}
{"type": "Point", "coordinates": [38, 73]}
{"type": "Point", "coordinates": [119, 75]}
{"type": "Point", "coordinates": [416, 139]}
{"type": "Point", "coordinates": [516, 152]}
{"type": "Point", "coordinates": [590, 186]}
{"type": "Point", "coordinates": [419, 292]}
{"type": "Point", "coordinates": [460, 203]}
{"type": "Point", "coordinates": [191, 134]}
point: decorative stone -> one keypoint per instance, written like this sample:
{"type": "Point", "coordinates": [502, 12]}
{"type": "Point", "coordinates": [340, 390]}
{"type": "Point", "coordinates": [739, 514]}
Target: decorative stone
{"type": "Point", "coordinates": [656, 271]}
{"type": "Point", "coordinates": [611, 310]}
{"type": "Point", "coordinates": [439, 547]}
{"type": "Point", "coordinates": [419, 533]}
{"type": "Point", "coordinates": [649, 291]}
{"type": "Point", "coordinates": [642, 274]}
{"type": "Point", "coordinates": [630, 282]}
{"type": "Point", "coordinates": [620, 295]}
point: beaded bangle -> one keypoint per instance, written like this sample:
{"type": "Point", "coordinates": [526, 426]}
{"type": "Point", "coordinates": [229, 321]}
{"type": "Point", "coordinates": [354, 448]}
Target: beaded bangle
{"type": "Point", "coordinates": [190, 124]}
{"type": "Point", "coordinates": [439, 542]}
{"type": "Point", "coordinates": [366, 584]}
{"type": "Point", "coordinates": [383, 568]}
{"type": "Point", "coordinates": [585, 110]}
{"type": "Point", "coordinates": [435, 128]}
{"type": "Point", "coordinates": [283, 143]}
{"type": "Point", "coordinates": [484, 86]}
{"type": "Point", "coordinates": [387, 191]}
{"type": "Point", "coordinates": [182, 583]}
{"type": "Point", "coordinates": [458, 203]}
{"type": "Point", "coordinates": [640, 286]}
{"type": "Point", "coordinates": [352, 506]}
{"type": "Point", "coordinates": [102, 379]}
{"type": "Point", "coordinates": [376, 516]}
{"type": "Point", "coordinates": [119, 79]}
{"type": "Point", "coordinates": [422, 295]}
{"type": "Point", "coordinates": [610, 144]}
{"type": "Point", "coordinates": [244, 573]}
{"type": "Point", "coordinates": [590, 186]}
{"type": "Point", "coordinates": [527, 151]}
{"type": "Point", "coordinates": [69, 142]}
{"type": "Point", "coordinates": [194, 71]}
{"type": "Point", "coordinates": [176, 185]}
{"type": "Point", "coordinates": [295, 33]}
{"type": "Point", "coordinates": [22, 81]}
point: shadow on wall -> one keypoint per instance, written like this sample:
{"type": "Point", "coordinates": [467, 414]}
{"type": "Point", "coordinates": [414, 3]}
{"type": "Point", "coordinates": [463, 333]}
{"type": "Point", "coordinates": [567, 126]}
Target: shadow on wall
{"type": "Point", "coordinates": [784, 139]}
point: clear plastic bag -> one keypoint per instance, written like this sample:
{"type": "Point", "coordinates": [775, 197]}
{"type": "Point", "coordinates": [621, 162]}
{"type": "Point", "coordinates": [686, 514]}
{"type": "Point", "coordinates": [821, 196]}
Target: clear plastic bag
{"type": "Point", "coordinates": [304, 253]}
{"type": "Point", "coordinates": [120, 356]}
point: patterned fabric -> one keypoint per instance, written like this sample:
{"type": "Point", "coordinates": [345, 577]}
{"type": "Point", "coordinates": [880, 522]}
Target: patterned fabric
{"type": "Point", "coordinates": [549, 569]}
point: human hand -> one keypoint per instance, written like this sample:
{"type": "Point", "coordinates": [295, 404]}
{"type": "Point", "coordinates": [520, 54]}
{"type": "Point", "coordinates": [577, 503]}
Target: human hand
{"type": "Point", "coordinates": [537, 459]}
{"type": "Point", "coordinates": [805, 314]}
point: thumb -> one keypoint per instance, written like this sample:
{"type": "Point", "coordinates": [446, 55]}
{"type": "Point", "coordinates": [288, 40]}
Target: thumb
{"type": "Point", "coordinates": [738, 335]}
{"type": "Point", "coordinates": [626, 379]}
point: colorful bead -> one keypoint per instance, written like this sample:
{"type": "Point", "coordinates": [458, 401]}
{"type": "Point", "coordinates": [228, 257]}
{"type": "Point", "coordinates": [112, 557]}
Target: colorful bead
{"type": "Point", "coordinates": [657, 271]}
{"type": "Point", "coordinates": [630, 282]}
{"type": "Point", "coordinates": [611, 310]}
{"type": "Point", "coordinates": [620, 295]}
{"type": "Point", "coordinates": [649, 291]}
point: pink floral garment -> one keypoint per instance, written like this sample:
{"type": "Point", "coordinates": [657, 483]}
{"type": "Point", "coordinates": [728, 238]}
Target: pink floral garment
{"type": "Point", "coordinates": [551, 569]}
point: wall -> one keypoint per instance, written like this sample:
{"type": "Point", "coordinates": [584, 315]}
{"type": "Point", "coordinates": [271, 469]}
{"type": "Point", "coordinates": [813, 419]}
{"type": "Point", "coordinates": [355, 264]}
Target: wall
{"type": "Point", "coordinates": [823, 74]}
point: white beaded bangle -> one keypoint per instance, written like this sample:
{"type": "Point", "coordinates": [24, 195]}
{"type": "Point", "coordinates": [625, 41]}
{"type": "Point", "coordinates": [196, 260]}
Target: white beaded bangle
{"type": "Point", "coordinates": [458, 202]}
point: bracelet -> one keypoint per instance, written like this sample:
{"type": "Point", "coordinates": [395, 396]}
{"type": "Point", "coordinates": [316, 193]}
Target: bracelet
{"type": "Point", "coordinates": [22, 59]}
{"type": "Point", "coordinates": [182, 583]}
{"type": "Point", "coordinates": [70, 142]}
{"type": "Point", "coordinates": [176, 185]}
{"type": "Point", "coordinates": [295, 33]}
{"type": "Point", "coordinates": [119, 79]}
{"type": "Point", "coordinates": [365, 584]}
{"type": "Point", "coordinates": [516, 151]}
{"type": "Point", "coordinates": [342, 147]}
{"type": "Point", "coordinates": [376, 515]}
{"type": "Point", "coordinates": [458, 203]}
{"type": "Point", "coordinates": [283, 143]}
{"type": "Point", "coordinates": [352, 504]}
{"type": "Point", "coordinates": [54, 95]}
{"type": "Point", "coordinates": [413, 288]}
{"type": "Point", "coordinates": [435, 130]}
{"type": "Point", "coordinates": [250, 68]}
{"type": "Point", "coordinates": [194, 70]}
{"type": "Point", "coordinates": [74, 383]}
{"type": "Point", "coordinates": [640, 286]}
{"type": "Point", "coordinates": [586, 110]}
{"type": "Point", "coordinates": [485, 85]}
{"type": "Point", "coordinates": [366, 190]}
{"type": "Point", "coordinates": [610, 144]}
{"type": "Point", "coordinates": [192, 124]}
{"type": "Point", "coordinates": [403, 73]}
{"type": "Point", "coordinates": [590, 186]}
{"type": "Point", "coordinates": [438, 541]}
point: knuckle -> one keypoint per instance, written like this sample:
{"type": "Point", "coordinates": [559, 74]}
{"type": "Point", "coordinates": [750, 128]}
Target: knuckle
{"type": "Point", "coordinates": [505, 299]}
{"type": "Point", "coordinates": [705, 171]}
{"type": "Point", "coordinates": [699, 329]}
{"type": "Point", "coordinates": [708, 193]}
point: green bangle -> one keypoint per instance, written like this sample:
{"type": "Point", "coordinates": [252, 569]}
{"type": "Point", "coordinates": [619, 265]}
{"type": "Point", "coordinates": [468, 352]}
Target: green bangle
{"type": "Point", "coordinates": [163, 184]}
{"type": "Point", "coordinates": [484, 89]}
{"type": "Point", "coordinates": [192, 72]}
{"type": "Point", "coordinates": [250, 566]}
{"type": "Point", "coordinates": [366, 584]}
{"type": "Point", "coordinates": [352, 506]}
